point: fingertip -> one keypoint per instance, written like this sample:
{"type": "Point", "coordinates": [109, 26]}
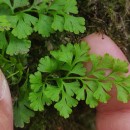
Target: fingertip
{"type": "Point", "coordinates": [6, 110]}
{"type": "Point", "coordinates": [101, 44]}
{"type": "Point", "coordinates": [111, 114]}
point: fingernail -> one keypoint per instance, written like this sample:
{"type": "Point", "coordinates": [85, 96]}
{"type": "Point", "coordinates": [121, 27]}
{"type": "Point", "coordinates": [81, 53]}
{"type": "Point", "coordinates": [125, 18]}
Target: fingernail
{"type": "Point", "coordinates": [2, 85]}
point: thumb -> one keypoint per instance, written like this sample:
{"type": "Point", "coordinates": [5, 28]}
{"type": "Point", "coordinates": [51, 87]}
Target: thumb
{"type": "Point", "coordinates": [6, 112]}
{"type": "Point", "coordinates": [114, 115]}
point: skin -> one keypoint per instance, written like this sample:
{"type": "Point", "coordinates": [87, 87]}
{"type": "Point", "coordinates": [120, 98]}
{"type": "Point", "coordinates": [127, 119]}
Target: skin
{"type": "Point", "coordinates": [114, 115]}
{"type": "Point", "coordinates": [6, 112]}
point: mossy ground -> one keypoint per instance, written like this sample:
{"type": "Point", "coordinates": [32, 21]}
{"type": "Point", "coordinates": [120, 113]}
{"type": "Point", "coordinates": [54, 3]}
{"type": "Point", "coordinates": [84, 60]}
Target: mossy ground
{"type": "Point", "coordinates": [109, 17]}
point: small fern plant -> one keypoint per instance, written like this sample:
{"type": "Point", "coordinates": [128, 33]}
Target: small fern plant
{"type": "Point", "coordinates": [61, 78]}
{"type": "Point", "coordinates": [19, 21]}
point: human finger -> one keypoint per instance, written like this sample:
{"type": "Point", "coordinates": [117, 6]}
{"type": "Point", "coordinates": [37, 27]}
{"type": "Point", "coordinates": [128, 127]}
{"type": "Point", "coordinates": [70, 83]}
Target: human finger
{"type": "Point", "coordinates": [114, 115]}
{"type": "Point", "coordinates": [6, 112]}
